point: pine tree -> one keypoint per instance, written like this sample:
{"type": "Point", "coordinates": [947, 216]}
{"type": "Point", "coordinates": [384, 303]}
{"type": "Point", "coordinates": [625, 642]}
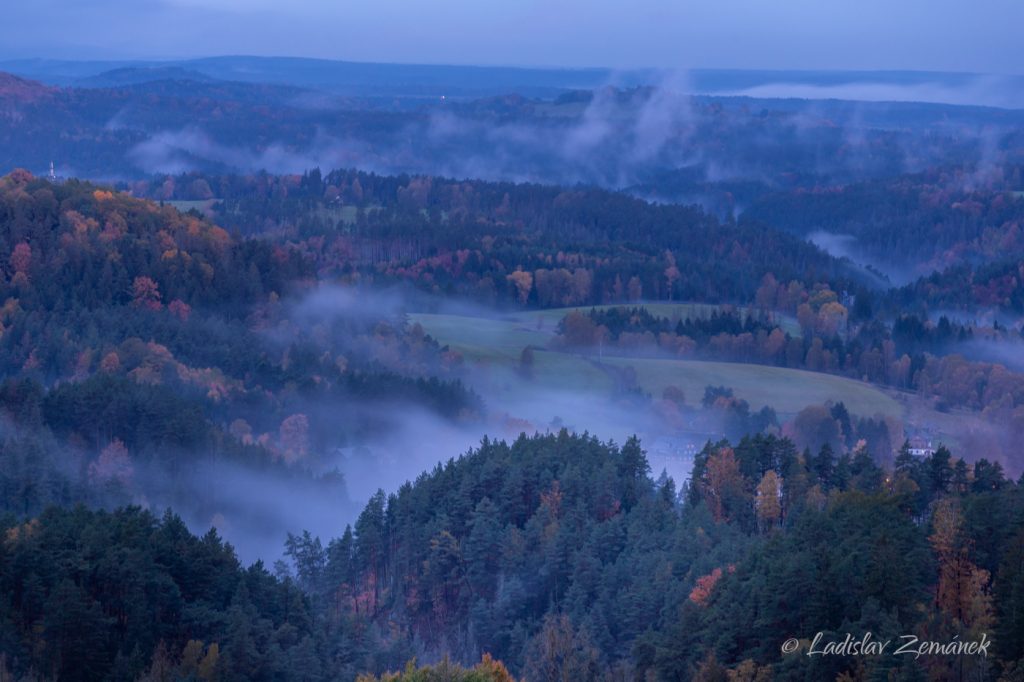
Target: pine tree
{"type": "Point", "coordinates": [241, 652]}
{"type": "Point", "coordinates": [939, 471]}
{"type": "Point", "coordinates": [74, 629]}
{"type": "Point", "coordinates": [842, 474]}
{"type": "Point", "coordinates": [824, 466]}
{"type": "Point", "coordinates": [483, 548]}
{"type": "Point", "coordinates": [867, 476]}
{"type": "Point", "coordinates": [905, 462]}
{"type": "Point", "coordinates": [960, 481]}
{"type": "Point", "coordinates": [634, 470]}
{"type": "Point", "coordinates": [1009, 600]}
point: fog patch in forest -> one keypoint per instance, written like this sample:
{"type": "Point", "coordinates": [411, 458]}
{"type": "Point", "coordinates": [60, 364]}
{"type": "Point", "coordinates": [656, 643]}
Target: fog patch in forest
{"type": "Point", "coordinates": [189, 149]}
{"type": "Point", "coordinates": [846, 246]}
{"type": "Point", "coordinates": [1009, 353]}
{"type": "Point", "coordinates": [256, 508]}
{"type": "Point", "coordinates": [617, 137]}
{"type": "Point", "coordinates": [358, 303]}
{"type": "Point", "coordinates": [251, 506]}
{"type": "Point", "coordinates": [610, 137]}
{"type": "Point", "coordinates": [397, 441]}
{"type": "Point", "coordinates": [255, 504]}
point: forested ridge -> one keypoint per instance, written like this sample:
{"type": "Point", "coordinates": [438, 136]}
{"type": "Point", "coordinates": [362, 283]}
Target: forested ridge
{"type": "Point", "coordinates": [947, 215]}
{"type": "Point", "coordinates": [315, 369]}
{"type": "Point", "coordinates": [953, 231]}
{"type": "Point", "coordinates": [667, 145]}
{"type": "Point", "coordinates": [146, 353]}
{"type": "Point", "coordinates": [471, 238]}
{"type": "Point", "coordinates": [149, 354]}
{"type": "Point", "coordinates": [558, 555]}
{"type": "Point", "coordinates": [956, 233]}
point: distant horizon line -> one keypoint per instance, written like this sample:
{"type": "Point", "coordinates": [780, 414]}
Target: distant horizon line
{"type": "Point", "coordinates": [145, 61]}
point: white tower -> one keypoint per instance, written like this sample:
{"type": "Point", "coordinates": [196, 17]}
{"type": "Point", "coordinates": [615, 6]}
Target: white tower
{"type": "Point", "coordinates": [53, 176]}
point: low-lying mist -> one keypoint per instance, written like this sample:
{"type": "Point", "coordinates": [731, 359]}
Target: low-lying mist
{"type": "Point", "coordinates": [880, 273]}
{"type": "Point", "coordinates": [380, 444]}
{"type": "Point", "coordinates": [609, 137]}
{"type": "Point", "coordinates": [979, 90]}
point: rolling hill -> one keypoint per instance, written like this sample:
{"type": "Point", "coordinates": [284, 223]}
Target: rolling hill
{"type": "Point", "coordinates": [499, 342]}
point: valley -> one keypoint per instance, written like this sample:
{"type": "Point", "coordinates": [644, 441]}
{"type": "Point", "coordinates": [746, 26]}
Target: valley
{"type": "Point", "coordinates": [321, 370]}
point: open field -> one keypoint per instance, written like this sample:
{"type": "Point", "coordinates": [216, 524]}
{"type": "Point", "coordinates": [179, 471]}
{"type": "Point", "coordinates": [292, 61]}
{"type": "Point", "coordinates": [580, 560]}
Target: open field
{"type": "Point", "coordinates": [786, 390]}
{"type": "Point", "coordinates": [484, 338]}
{"type": "Point", "coordinates": [499, 342]}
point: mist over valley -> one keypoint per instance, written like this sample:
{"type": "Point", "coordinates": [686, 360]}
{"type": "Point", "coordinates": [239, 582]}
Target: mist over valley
{"type": "Point", "coordinates": [354, 369]}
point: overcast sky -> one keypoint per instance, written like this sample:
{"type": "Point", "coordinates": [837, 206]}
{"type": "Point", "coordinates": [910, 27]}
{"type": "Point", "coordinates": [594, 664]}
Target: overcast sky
{"type": "Point", "coordinates": [952, 35]}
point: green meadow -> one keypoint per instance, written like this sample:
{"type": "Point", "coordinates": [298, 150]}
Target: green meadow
{"type": "Point", "coordinates": [499, 342]}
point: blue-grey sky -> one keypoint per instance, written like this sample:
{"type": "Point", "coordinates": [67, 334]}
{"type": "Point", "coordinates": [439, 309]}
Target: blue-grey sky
{"type": "Point", "coordinates": [948, 35]}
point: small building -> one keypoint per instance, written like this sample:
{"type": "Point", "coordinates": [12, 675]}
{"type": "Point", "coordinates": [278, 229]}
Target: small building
{"type": "Point", "coordinates": [920, 447]}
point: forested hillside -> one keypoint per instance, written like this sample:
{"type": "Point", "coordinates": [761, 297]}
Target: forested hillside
{"type": "Point", "coordinates": [507, 243]}
{"type": "Point", "coordinates": [115, 596]}
{"type": "Point", "coordinates": [996, 285]}
{"type": "Point", "coordinates": [240, 364]}
{"type": "Point", "coordinates": [145, 352]}
{"type": "Point", "coordinates": [696, 355]}
{"type": "Point", "coordinates": [946, 216]}
{"type": "Point", "coordinates": [559, 555]}
{"type": "Point", "coordinates": [655, 139]}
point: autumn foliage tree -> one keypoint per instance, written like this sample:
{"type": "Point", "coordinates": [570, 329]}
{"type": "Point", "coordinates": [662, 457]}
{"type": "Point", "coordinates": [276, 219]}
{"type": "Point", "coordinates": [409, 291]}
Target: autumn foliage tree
{"type": "Point", "coordinates": [114, 465]}
{"type": "Point", "coordinates": [523, 282]}
{"type": "Point", "coordinates": [21, 257]}
{"type": "Point", "coordinates": [145, 293]}
{"type": "Point", "coordinates": [962, 589]}
{"type": "Point", "coordinates": [705, 585]}
{"type": "Point", "coordinates": [723, 485]}
{"type": "Point", "coordinates": [294, 433]}
{"type": "Point", "coordinates": [769, 501]}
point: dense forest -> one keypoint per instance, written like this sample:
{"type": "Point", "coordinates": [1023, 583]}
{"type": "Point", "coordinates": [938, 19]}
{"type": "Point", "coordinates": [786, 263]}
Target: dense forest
{"type": "Point", "coordinates": [509, 243]}
{"type": "Point", "coordinates": [144, 351]}
{"type": "Point", "coordinates": [960, 236]}
{"type": "Point", "coordinates": [557, 554]}
{"type": "Point", "coordinates": [319, 386]}
{"type": "Point", "coordinates": [946, 216]}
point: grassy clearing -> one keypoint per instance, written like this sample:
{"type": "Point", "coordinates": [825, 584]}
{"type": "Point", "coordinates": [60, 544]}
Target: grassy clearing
{"type": "Point", "coordinates": [786, 390]}
{"type": "Point", "coordinates": [482, 338]}
{"type": "Point", "coordinates": [499, 341]}
{"type": "Point", "coordinates": [570, 372]}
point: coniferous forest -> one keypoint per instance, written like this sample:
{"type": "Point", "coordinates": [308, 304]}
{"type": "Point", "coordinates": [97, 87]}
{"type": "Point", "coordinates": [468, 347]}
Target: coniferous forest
{"type": "Point", "coordinates": [367, 371]}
